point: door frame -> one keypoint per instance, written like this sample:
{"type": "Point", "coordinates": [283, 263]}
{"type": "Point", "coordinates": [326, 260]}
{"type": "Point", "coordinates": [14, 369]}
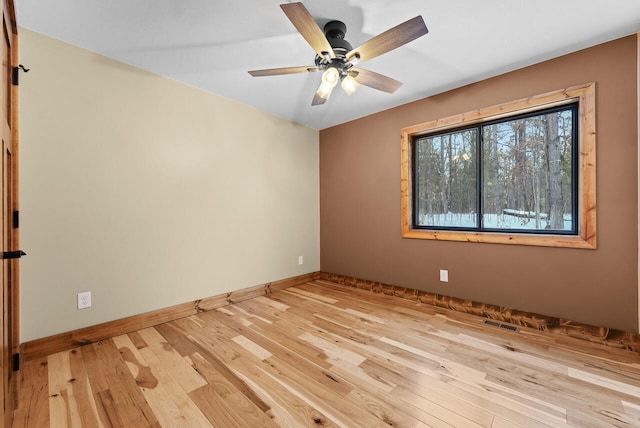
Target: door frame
{"type": "Point", "coordinates": [11, 303]}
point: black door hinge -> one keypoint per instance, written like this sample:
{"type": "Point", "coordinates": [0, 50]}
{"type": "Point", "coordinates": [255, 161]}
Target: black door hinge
{"type": "Point", "coordinates": [13, 254]}
{"type": "Point", "coordinates": [16, 219]}
{"type": "Point", "coordinates": [16, 74]}
{"type": "Point", "coordinates": [16, 362]}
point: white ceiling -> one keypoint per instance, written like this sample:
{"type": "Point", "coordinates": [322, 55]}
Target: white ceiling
{"type": "Point", "coordinates": [211, 44]}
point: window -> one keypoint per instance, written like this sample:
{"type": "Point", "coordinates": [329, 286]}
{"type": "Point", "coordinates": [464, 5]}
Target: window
{"type": "Point", "coordinates": [520, 173]}
{"type": "Point", "coordinates": [511, 174]}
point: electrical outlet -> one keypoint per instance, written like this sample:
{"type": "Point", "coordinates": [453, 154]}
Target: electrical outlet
{"type": "Point", "coordinates": [300, 260]}
{"type": "Point", "coordinates": [84, 300]}
{"type": "Point", "coordinates": [444, 275]}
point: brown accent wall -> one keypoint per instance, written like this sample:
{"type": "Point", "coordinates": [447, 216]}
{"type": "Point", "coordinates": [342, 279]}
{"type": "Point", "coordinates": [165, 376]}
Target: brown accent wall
{"type": "Point", "coordinates": [360, 229]}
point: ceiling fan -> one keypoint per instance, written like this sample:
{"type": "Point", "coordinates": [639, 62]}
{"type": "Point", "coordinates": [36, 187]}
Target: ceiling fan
{"type": "Point", "coordinates": [337, 59]}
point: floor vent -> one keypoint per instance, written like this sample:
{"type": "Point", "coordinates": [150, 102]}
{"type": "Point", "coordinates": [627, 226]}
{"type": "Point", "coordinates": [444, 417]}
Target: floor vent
{"type": "Point", "coordinates": [502, 326]}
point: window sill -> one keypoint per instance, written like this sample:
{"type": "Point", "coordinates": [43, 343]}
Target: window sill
{"type": "Point", "coordinates": [588, 242]}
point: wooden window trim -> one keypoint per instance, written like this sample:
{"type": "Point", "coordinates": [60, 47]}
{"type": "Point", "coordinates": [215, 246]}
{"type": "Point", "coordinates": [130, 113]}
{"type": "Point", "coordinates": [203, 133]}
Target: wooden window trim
{"type": "Point", "coordinates": [586, 238]}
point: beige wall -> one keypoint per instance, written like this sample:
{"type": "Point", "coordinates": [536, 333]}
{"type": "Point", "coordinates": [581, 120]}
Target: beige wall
{"type": "Point", "coordinates": [360, 202]}
{"type": "Point", "coordinates": [150, 193]}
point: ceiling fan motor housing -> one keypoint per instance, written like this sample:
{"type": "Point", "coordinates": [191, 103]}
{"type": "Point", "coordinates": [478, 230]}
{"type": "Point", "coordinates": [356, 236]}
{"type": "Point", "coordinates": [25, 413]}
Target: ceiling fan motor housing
{"type": "Point", "coordinates": [334, 32]}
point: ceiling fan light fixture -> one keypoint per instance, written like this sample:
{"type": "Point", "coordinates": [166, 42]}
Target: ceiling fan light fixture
{"type": "Point", "coordinates": [330, 79]}
{"type": "Point", "coordinates": [324, 90]}
{"type": "Point", "coordinates": [349, 85]}
{"type": "Point", "coordinates": [331, 76]}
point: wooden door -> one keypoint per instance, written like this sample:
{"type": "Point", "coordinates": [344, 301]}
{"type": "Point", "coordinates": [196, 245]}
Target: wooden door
{"type": "Point", "coordinates": [9, 320]}
{"type": "Point", "coordinates": [7, 294]}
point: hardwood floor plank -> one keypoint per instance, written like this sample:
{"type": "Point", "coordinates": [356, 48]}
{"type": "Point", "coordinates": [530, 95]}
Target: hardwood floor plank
{"type": "Point", "coordinates": [238, 405]}
{"type": "Point", "coordinates": [254, 348]}
{"type": "Point", "coordinates": [345, 364]}
{"type": "Point", "coordinates": [286, 335]}
{"type": "Point", "coordinates": [631, 409]}
{"type": "Point", "coordinates": [303, 385]}
{"type": "Point", "coordinates": [224, 380]}
{"type": "Point", "coordinates": [175, 337]}
{"type": "Point", "coordinates": [363, 343]}
{"type": "Point", "coordinates": [498, 422]}
{"type": "Point", "coordinates": [341, 361]}
{"type": "Point", "coordinates": [99, 382]}
{"type": "Point", "coordinates": [523, 362]}
{"type": "Point", "coordinates": [60, 413]}
{"type": "Point", "coordinates": [82, 392]}
{"type": "Point", "coordinates": [444, 413]}
{"type": "Point", "coordinates": [250, 316]}
{"type": "Point", "coordinates": [306, 378]}
{"type": "Point", "coordinates": [70, 397]}
{"type": "Point", "coordinates": [170, 403]}
{"type": "Point", "coordinates": [336, 354]}
{"type": "Point", "coordinates": [311, 295]}
{"type": "Point", "coordinates": [323, 354]}
{"type": "Point", "coordinates": [33, 395]}
{"type": "Point", "coordinates": [123, 401]}
{"type": "Point", "coordinates": [73, 402]}
{"type": "Point", "coordinates": [289, 409]}
{"type": "Point", "coordinates": [214, 408]}
{"type": "Point", "coordinates": [221, 368]}
{"type": "Point", "coordinates": [383, 410]}
{"type": "Point", "coordinates": [507, 351]}
{"type": "Point", "coordinates": [506, 403]}
{"type": "Point", "coordinates": [600, 418]}
{"type": "Point", "coordinates": [614, 385]}
{"type": "Point", "coordinates": [142, 373]}
{"type": "Point", "coordinates": [280, 307]}
{"type": "Point", "coordinates": [172, 361]}
{"type": "Point", "coordinates": [137, 340]}
{"type": "Point", "coordinates": [292, 405]}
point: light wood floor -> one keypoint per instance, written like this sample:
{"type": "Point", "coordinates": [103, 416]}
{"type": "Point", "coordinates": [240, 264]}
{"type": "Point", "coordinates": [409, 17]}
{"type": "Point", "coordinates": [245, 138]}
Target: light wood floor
{"type": "Point", "coordinates": [321, 354]}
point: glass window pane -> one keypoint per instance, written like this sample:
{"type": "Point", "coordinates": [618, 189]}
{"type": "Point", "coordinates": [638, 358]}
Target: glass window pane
{"type": "Point", "coordinates": [527, 173]}
{"type": "Point", "coordinates": [445, 180]}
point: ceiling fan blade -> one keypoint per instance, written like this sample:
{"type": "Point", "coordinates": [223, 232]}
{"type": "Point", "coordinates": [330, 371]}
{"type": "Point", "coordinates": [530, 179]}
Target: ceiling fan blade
{"type": "Point", "coordinates": [318, 100]}
{"type": "Point", "coordinates": [306, 25]}
{"type": "Point", "coordinates": [283, 70]}
{"type": "Point", "coordinates": [390, 39]}
{"type": "Point", "coordinates": [375, 80]}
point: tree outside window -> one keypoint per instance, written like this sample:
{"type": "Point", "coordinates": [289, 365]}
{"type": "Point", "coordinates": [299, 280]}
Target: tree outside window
{"type": "Point", "coordinates": [524, 179]}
